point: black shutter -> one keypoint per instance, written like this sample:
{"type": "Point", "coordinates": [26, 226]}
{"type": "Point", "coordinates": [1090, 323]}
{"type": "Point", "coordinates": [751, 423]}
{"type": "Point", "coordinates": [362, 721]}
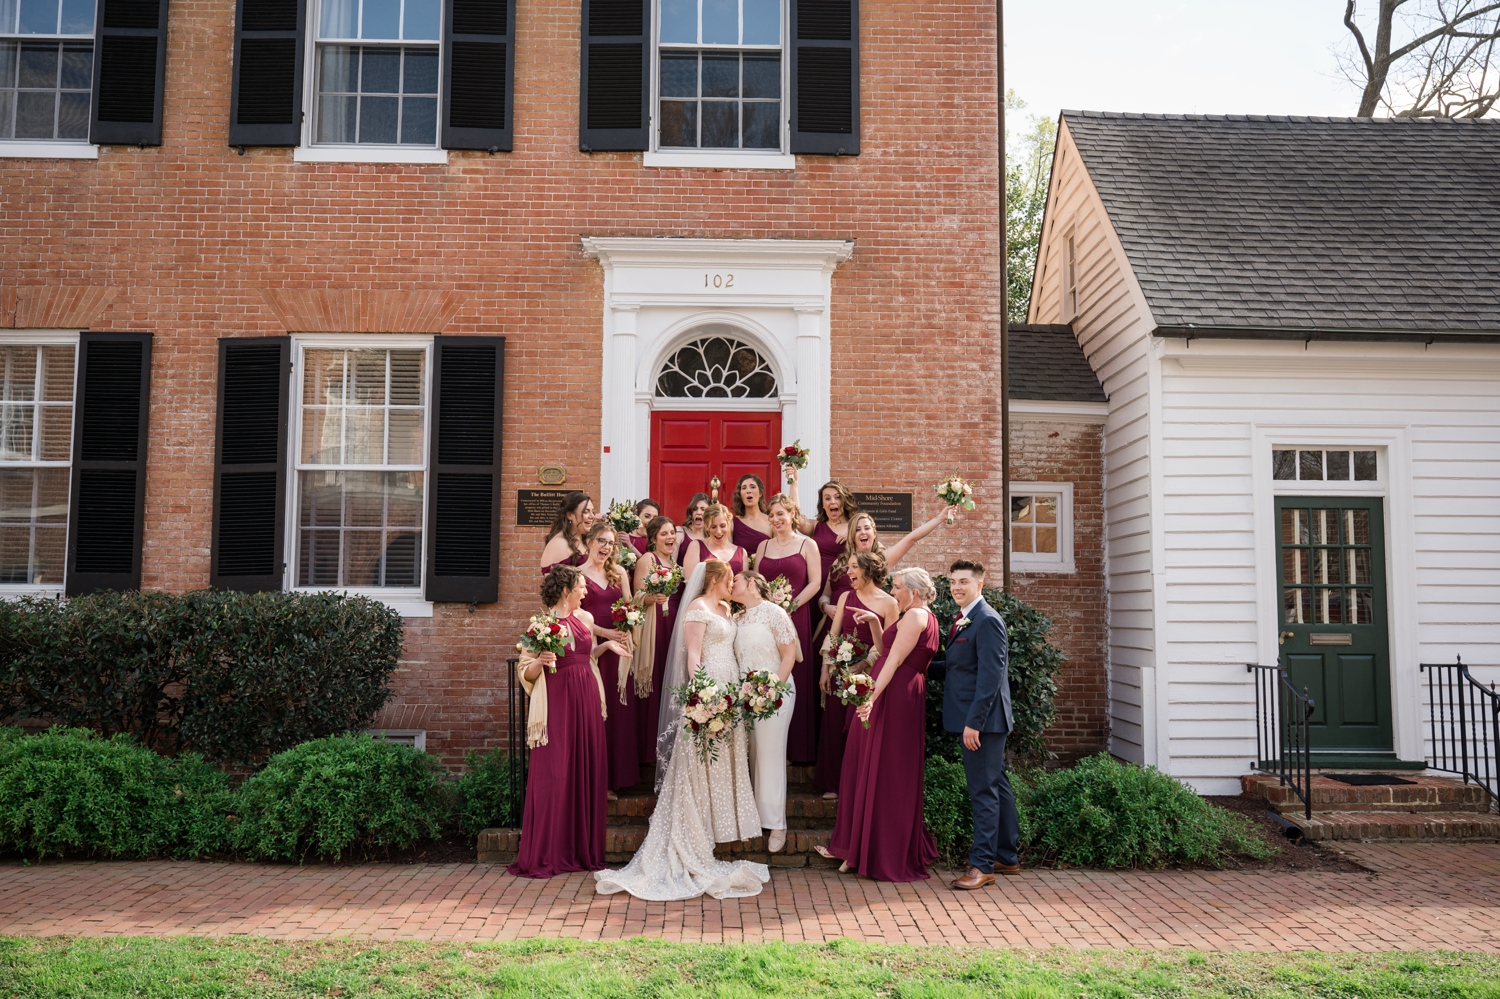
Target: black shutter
{"type": "Point", "coordinates": [479, 60]}
{"type": "Point", "coordinates": [614, 87]}
{"type": "Point", "coordinates": [250, 463]}
{"type": "Point", "coordinates": [130, 58]}
{"type": "Point", "coordinates": [825, 77]}
{"type": "Point", "coordinates": [265, 96]}
{"type": "Point", "coordinates": [107, 499]}
{"type": "Point", "coordinates": [463, 535]}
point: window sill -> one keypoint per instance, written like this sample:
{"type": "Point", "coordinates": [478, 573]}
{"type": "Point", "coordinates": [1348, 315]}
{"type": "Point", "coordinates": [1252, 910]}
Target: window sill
{"type": "Point", "coordinates": [42, 149]}
{"type": "Point", "coordinates": [368, 154]}
{"type": "Point", "coordinates": [721, 161]}
{"type": "Point", "coordinates": [407, 604]}
{"type": "Point", "coordinates": [16, 591]}
{"type": "Point", "coordinates": [1031, 567]}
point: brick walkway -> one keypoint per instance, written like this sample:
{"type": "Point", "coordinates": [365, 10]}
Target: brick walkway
{"type": "Point", "coordinates": [1416, 896]}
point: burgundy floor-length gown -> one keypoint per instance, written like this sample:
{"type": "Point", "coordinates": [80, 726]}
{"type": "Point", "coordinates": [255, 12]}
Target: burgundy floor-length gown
{"type": "Point", "coordinates": [619, 727]}
{"type": "Point", "coordinates": [834, 730]}
{"type": "Point", "coordinates": [879, 831]}
{"type": "Point", "coordinates": [650, 707]}
{"type": "Point", "coordinates": [746, 536]}
{"type": "Point", "coordinates": [830, 547]}
{"type": "Point", "coordinates": [562, 828]}
{"type": "Point", "coordinates": [802, 735]}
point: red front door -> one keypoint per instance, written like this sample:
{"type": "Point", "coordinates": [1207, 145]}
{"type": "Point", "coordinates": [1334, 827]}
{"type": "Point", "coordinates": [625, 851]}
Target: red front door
{"type": "Point", "coordinates": [689, 449]}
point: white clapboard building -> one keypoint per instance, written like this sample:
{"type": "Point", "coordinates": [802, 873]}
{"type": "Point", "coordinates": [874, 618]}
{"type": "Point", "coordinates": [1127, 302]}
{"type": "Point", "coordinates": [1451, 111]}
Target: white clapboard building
{"type": "Point", "coordinates": [1297, 324]}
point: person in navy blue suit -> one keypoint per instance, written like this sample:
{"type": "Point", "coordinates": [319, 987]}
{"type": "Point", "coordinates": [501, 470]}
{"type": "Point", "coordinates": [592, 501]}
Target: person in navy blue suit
{"type": "Point", "coordinates": [976, 702]}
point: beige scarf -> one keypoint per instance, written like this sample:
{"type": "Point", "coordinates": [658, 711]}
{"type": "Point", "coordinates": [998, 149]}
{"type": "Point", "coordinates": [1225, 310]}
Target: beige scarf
{"type": "Point", "coordinates": [536, 690]}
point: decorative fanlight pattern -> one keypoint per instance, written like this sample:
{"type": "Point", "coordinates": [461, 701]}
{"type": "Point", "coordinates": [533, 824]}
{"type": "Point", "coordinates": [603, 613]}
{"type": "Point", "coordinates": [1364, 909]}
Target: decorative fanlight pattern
{"type": "Point", "coordinates": [719, 366]}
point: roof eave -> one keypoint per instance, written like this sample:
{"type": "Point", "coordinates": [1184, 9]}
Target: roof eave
{"type": "Point", "coordinates": [1193, 331]}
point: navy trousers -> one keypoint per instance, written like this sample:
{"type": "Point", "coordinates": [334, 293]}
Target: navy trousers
{"type": "Point", "coordinates": [997, 829]}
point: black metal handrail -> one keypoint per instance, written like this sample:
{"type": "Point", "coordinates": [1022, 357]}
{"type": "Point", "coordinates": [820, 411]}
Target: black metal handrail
{"type": "Point", "coordinates": [1283, 730]}
{"type": "Point", "coordinates": [1464, 720]}
{"type": "Point", "coordinates": [515, 738]}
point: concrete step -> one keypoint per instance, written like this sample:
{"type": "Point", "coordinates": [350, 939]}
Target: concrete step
{"type": "Point", "coordinates": [1428, 795]}
{"type": "Point", "coordinates": [804, 809]}
{"type": "Point", "coordinates": [1390, 827]}
{"type": "Point", "coordinates": [499, 846]}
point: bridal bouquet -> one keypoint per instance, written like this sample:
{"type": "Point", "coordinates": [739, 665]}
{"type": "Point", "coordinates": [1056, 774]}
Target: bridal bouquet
{"type": "Point", "coordinates": [662, 580]}
{"type": "Point", "coordinates": [708, 713]}
{"type": "Point", "coordinates": [627, 616]}
{"type": "Point", "coordinates": [854, 689]}
{"type": "Point", "coordinates": [625, 556]}
{"type": "Point", "coordinates": [955, 492]}
{"type": "Point", "coordinates": [847, 650]}
{"type": "Point", "coordinates": [623, 518]}
{"type": "Point", "coordinates": [761, 694]}
{"type": "Point", "coordinates": [545, 633]}
{"type": "Point", "coordinates": [782, 594]}
{"type": "Point", "coordinates": [794, 455]}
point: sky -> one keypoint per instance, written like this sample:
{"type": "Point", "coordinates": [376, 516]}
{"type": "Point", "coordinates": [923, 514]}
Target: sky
{"type": "Point", "coordinates": [1178, 56]}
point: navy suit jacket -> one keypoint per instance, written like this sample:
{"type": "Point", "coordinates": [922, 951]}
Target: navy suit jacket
{"type": "Point", "coordinates": [976, 692]}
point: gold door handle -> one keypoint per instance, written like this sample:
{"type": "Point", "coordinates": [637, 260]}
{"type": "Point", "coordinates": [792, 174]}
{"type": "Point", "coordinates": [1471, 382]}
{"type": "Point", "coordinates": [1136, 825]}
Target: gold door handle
{"type": "Point", "coordinates": [1281, 640]}
{"type": "Point", "coordinates": [713, 488]}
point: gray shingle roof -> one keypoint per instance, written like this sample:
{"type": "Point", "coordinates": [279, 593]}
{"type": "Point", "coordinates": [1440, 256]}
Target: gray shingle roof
{"type": "Point", "coordinates": [1306, 223]}
{"type": "Point", "coordinates": [1047, 363]}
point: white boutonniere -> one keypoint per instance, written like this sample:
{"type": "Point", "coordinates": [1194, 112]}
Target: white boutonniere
{"type": "Point", "coordinates": [961, 624]}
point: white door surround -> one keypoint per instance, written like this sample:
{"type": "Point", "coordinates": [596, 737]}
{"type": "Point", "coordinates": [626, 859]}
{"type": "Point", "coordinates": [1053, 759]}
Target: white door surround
{"type": "Point", "coordinates": [775, 292]}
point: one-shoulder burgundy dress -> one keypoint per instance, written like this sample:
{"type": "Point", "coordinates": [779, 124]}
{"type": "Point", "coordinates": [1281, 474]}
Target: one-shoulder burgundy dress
{"type": "Point", "coordinates": [624, 748]}
{"type": "Point", "coordinates": [746, 536]}
{"type": "Point", "coordinates": [880, 831]}
{"type": "Point", "coordinates": [562, 828]}
{"type": "Point", "coordinates": [834, 730]}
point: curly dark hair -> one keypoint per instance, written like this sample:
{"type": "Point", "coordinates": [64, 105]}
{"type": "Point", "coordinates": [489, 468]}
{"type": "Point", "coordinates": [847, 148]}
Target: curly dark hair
{"type": "Point", "coordinates": [657, 523]}
{"type": "Point", "coordinates": [872, 565]}
{"type": "Point", "coordinates": [558, 582]}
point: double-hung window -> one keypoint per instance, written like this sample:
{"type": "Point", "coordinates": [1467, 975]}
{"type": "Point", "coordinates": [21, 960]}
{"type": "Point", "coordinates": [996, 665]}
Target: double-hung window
{"type": "Point", "coordinates": [36, 445]}
{"type": "Point", "coordinates": [360, 467]}
{"type": "Point", "coordinates": [720, 76]}
{"type": "Point", "coordinates": [1041, 526]}
{"type": "Point", "coordinates": [46, 69]}
{"type": "Point", "coordinates": [376, 72]}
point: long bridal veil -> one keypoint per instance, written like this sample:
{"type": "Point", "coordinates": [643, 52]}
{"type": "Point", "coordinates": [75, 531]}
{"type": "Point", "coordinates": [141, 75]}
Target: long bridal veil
{"type": "Point", "coordinates": [675, 674]}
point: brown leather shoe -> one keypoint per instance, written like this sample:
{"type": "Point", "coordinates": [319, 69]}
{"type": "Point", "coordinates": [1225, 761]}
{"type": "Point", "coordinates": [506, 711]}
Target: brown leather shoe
{"type": "Point", "coordinates": [1007, 869]}
{"type": "Point", "coordinates": [975, 878]}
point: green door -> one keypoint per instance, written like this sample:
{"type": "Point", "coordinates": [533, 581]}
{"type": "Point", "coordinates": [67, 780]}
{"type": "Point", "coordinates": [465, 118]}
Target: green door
{"type": "Point", "coordinates": [1333, 622]}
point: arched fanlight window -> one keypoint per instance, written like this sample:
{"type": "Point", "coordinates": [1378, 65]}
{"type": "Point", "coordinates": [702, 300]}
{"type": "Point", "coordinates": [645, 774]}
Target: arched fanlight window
{"type": "Point", "coordinates": [716, 364]}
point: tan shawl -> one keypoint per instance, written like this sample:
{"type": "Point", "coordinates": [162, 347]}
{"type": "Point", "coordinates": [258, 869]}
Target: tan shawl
{"type": "Point", "coordinates": [536, 714]}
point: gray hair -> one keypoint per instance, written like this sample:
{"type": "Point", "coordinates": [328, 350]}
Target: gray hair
{"type": "Point", "coordinates": [918, 581]}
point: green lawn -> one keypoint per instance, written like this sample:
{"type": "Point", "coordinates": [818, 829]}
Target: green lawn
{"type": "Point", "coordinates": [190, 967]}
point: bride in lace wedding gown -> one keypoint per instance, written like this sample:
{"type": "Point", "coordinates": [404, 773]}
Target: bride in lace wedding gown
{"type": "Point", "coordinates": [698, 804]}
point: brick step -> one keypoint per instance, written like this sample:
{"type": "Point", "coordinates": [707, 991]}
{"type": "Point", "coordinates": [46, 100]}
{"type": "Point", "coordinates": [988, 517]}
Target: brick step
{"type": "Point", "coordinates": [499, 846]}
{"type": "Point", "coordinates": [1428, 795]}
{"type": "Point", "coordinates": [804, 809]}
{"type": "Point", "coordinates": [1388, 827]}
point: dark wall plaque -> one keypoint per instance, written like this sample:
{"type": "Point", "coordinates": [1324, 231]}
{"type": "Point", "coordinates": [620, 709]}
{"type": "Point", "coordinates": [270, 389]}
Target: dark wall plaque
{"type": "Point", "coordinates": [537, 507]}
{"type": "Point", "coordinates": [892, 511]}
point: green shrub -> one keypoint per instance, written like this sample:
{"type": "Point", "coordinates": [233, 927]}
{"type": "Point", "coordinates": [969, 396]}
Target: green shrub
{"type": "Point", "coordinates": [233, 676]}
{"type": "Point", "coordinates": [68, 790]}
{"type": "Point", "coordinates": [1104, 813]}
{"type": "Point", "coordinates": [483, 793]}
{"type": "Point", "coordinates": [1034, 665]}
{"type": "Point", "coordinates": [346, 793]}
{"type": "Point", "coordinates": [947, 809]}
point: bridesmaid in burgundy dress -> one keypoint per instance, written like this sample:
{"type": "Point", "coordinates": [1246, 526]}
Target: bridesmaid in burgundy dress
{"type": "Point", "coordinates": [647, 510]}
{"type": "Point", "coordinates": [866, 574]}
{"type": "Point", "coordinates": [691, 528]}
{"type": "Point", "coordinates": [830, 531]}
{"type": "Point", "coordinates": [752, 520]}
{"type": "Point", "coordinates": [789, 554]}
{"type": "Point", "coordinates": [663, 535]}
{"type": "Point", "coordinates": [879, 831]}
{"type": "Point", "coordinates": [863, 537]}
{"type": "Point", "coordinates": [564, 544]}
{"type": "Point", "coordinates": [718, 545]}
{"type": "Point", "coordinates": [607, 583]}
{"type": "Point", "coordinates": [562, 828]}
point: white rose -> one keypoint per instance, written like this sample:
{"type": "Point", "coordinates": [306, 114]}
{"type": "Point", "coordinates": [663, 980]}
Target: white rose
{"type": "Point", "coordinates": [716, 725]}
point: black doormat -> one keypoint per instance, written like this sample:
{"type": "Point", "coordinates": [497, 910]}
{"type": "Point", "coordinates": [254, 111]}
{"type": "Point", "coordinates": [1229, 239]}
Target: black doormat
{"type": "Point", "coordinates": [1368, 780]}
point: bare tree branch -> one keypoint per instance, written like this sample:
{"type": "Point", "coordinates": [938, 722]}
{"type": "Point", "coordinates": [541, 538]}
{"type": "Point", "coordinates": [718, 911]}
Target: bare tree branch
{"type": "Point", "coordinates": [1446, 67]}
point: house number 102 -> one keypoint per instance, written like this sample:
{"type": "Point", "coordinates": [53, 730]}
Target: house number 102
{"type": "Point", "coordinates": [718, 280]}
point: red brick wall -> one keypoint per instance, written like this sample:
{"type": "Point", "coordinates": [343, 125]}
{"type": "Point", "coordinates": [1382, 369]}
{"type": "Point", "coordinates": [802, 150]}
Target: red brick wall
{"type": "Point", "coordinates": [193, 242]}
{"type": "Point", "coordinates": [1048, 451]}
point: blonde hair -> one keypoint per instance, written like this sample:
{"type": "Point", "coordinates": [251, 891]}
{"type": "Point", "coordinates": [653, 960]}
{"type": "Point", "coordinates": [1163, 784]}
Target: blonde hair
{"type": "Point", "coordinates": [716, 571]}
{"type": "Point", "coordinates": [918, 581]}
{"type": "Point", "coordinates": [716, 510]}
{"type": "Point", "coordinates": [785, 502]}
{"type": "Point", "coordinates": [612, 571]}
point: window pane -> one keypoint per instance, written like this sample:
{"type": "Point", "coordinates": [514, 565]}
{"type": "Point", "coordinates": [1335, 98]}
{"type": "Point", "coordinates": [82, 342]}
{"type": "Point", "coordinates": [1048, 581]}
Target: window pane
{"type": "Point", "coordinates": [7, 111]}
{"type": "Point", "coordinates": [1020, 539]}
{"type": "Point", "coordinates": [679, 75]}
{"type": "Point", "coordinates": [1046, 540]}
{"type": "Point", "coordinates": [39, 65]}
{"type": "Point", "coordinates": [73, 116]}
{"type": "Point", "coordinates": [57, 374]}
{"type": "Point", "coordinates": [57, 433]}
{"type": "Point", "coordinates": [339, 66]}
{"type": "Point", "coordinates": [77, 17]}
{"type": "Point", "coordinates": [1362, 609]}
{"type": "Point", "coordinates": [8, 11]}
{"type": "Point", "coordinates": [1364, 466]}
{"type": "Point", "coordinates": [36, 113]}
{"type": "Point", "coordinates": [405, 437]}
{"type": "Point", "coordinates": [38, 17]}
{"type": "Point", "coordinates": [721, 22]}
{"type": "Point", "coordinates": [340, 19]}
{"type": "Point", "coordinates": [1298, 605]}
{"type": "Point", "coordinates": [9, 55]}
{"type": "Point", "coordinates": [1020, 509]}
{"type": "Point", "coordinates": [77, 66]}
{"type": "Point", "coordinates": [1325, 527]}
{"type": "Point", "coordinates": [421, 20]}
{"type": "Point", "coordinates": [403, 499]}
{"type": "Point", "coordinates": [367, 375]}
{"type": "Point", "coordinates": [1294, 565]}
{"type": "Point", "coordinates": [377, 119]}
{"type": "Point", "coordinates": [421, 72]}
{"type": "Point", "coordinates": [419, 120]}
{"type": "Point", "coordinates": [763, 75]}
{"type": "Point", "coordinates": [381, 71]}
{"type": "Point", "coordinates": [33, 524]}
{"type": "Point", "coordinates": [1046, 509]}
{"type": "Point", "coordinates": [346, 535]}
{"type": "Point", "coordinates": [401, 558]}
{"type": "Point", "coordinates": [679, 123]}
{"type": "Point", "coordinates": [336, 118]}
{"type": "Point", "coordinates": [1358, 527]}
{"type": "Point", "coordinates": [762, 22]}
{"type": "Point", "coordinates": [762, 125]}
{"type": "Point", "coordinates": [406, 377]}
{"type": "Point", "coordinates": [381, 19]}
{"type": "Point", "coordinates": [20, 373]}
{"type": "Point", "coordinates": [1311, 466]}
{"type": "Point", "coordinates": [1326, 565]}
{"type": "Point", "coordinates": [322, 436]}
{"type": "Point", "coordinates": [1328, 606]}
{"type": "Point", "coordinates": [721, 74]}
{"type": "Point", "coordinates": [1359, 565]}
{"type": "Point", "coordinates": [364, 441]}
{"type": "Point", "coordinates": [720, 127]}
{"type": "Point", "coordinates": [1338, 466]}
{"type": "Point", "coordinates": [1283, 464]}
{"type": "Point", "coordinates": [51, 496]}
{"type": "Point", "coordinates": [16, 425]}
{"type": "Point", "coordinates": [679, 20]}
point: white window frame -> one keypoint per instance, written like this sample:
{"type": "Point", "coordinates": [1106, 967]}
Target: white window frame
{"type": "Point", "coordinates": [1034, 562]}
{"type": "Point", "coordinates": [46, 338]}
{"type": "Point", "coordinates": [310, 151]}
{"type": "Point", "coordinates": [720, 159]}
{"type": "Point", "coordinates": [1070, 276]}
{"type": "Point", "coordinates": [1330, 487]}
{"type": "Point", "coordinates": [52, 149]}
{"type": "Point", "coordinates": [408, 601]}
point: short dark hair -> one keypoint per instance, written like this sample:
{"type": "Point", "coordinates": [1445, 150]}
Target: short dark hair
{"type": "Point", "coordinates": [560, 580]}
{"type": "Point", "coordinates": [977, 568]}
